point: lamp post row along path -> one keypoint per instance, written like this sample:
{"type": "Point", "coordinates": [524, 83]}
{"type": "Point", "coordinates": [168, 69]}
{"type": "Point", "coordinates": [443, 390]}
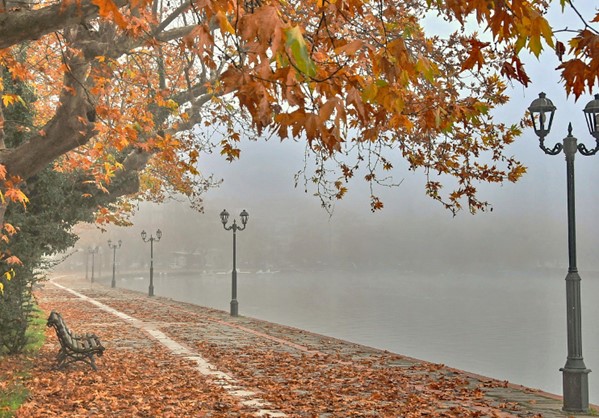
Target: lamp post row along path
{"type": "Point", "coordinates": [575, 373]}
{"type": "Point", "coordinates": [224, 216]}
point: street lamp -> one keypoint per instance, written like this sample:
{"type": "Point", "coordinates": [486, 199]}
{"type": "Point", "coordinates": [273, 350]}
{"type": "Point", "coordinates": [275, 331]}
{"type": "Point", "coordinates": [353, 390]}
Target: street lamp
{"type": "Point", "coordinates": [86, 252]}
{"type": "Point", "coordinates": [93, 252]}
{"type": "Point", "coordinates": [224, 217]}
{"type": "Point", "coordinates": [114, 247]}
{"type": "Point", "coordinates": [144, 237]}
{"type": "Point", "coordinates": [575, 373]}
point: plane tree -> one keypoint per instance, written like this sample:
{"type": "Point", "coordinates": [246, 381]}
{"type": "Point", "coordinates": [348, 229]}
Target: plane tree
{"type": "Point", "coordinates": [130, 93]}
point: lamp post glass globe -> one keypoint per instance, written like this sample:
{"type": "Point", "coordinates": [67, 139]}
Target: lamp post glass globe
{"type": "Point", "coordinates": [541, 113]}
{"type": "Point", "coordinates": [116, 244]}
{"type": "Point", "coordinates": [591, 113]}
{"type": "Point", "coordinates": [244, 217]}
{"type": "Point", "coordinates": [224, 216]}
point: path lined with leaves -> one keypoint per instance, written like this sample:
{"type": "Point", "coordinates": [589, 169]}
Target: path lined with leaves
{"type": "Point", "coordinates": [171, 359]}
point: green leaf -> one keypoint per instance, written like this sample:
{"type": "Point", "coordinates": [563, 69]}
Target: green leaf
{"type": "Point", "coordinates": [299, 51]}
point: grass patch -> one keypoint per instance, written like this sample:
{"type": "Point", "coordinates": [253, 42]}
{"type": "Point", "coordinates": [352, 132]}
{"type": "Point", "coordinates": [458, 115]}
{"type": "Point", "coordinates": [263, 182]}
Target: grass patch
{"type": "Point", "coordinates": [36, 333]}
{"type": "Point", "coordinates": [14, 370]}
{"type": "Point", "coordinates": [12, 398]}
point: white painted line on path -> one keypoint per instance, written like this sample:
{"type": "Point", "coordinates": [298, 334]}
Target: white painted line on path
{"type": "Point", "coordinates": [222, 379]}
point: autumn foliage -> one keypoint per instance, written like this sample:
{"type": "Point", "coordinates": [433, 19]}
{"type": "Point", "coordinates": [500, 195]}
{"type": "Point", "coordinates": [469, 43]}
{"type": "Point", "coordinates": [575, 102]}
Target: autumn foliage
{"type": "Point", "coordinates": [134, 92]}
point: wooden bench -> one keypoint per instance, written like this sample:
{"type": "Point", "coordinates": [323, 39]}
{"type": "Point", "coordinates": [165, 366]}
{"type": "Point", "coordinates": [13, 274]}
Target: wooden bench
{"type": "Point", "coordinates": [74, 347]}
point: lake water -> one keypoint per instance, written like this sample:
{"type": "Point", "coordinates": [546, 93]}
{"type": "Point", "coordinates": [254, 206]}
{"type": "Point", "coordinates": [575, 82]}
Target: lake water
{"type": "Point", "coordinates": [510, 326]}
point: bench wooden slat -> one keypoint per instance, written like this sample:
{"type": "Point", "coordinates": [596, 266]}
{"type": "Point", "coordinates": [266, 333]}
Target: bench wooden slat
{"type": "Point", "coordinates": [74, 347]}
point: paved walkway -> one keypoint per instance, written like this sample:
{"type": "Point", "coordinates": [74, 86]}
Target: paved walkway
{"type": "Point", "coordinates": [218, 366]}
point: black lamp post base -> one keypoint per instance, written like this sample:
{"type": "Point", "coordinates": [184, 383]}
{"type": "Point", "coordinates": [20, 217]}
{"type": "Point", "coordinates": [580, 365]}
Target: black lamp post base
{"type": "Point", "coordinates": [234, 308]}
{"type": "Point", "coordinates": [113, 284]}
{"type": "Point", "coordinates": [151, 291]}
{"type": "Point", "coordinates": [576, 390]}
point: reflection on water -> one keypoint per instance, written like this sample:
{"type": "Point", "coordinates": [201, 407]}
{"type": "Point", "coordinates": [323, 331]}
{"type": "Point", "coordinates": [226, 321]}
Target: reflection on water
{"type": "Point", "coordinates": [507, 326]}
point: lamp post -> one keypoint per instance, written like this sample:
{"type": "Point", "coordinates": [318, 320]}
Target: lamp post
{"type": "Point", "coordinates": [575, 373]}
{"type": "Point", "coordinates": [144, 237]}
{"type": "Point", "coordinates": [86, 252]}
{"type": "Point", "coordinates": [114, 247]}
{"type": "Point", "coordinates": [93, 252]}
{"type": "Point", "coordinates": [224, 217]}
{"type": "Point", "coordinates": [100, 262]}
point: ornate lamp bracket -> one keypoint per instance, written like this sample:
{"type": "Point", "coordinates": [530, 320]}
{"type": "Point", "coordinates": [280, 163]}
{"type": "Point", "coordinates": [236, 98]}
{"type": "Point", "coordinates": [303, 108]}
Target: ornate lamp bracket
{"type": "Point", "coordinates": [584, 151]}
{"type": "Point", "coordinates": [557, 148]}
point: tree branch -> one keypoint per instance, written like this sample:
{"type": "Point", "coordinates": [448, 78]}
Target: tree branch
{"type": "Point", "coordinates": [27, 25]}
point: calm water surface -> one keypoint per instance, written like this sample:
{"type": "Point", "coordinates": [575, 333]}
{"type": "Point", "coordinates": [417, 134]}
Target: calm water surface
{"type": "Point", "coordinates": [510, 326]}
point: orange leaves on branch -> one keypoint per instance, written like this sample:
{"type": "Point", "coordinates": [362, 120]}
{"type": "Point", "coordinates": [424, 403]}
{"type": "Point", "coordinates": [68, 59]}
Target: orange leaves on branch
{"type": "Point", "coordinates": [262, 30]}
{"type": "Point", "coordinates": [514, 70]}
{"type": "Point", "coordinates": [583, 70]}
{"type": "Point", "coordinates": [112, 215]}
{"type": "Point", "coordinates": [342, 76]}
{"type": "Point", "coordinates": [17, 69]}
{"type": "Point", "coordinates": [10, 229]}
{"type": "Point", "coordinates": [350, 48]}
{"type": "Point", "coordinates": [560, 50]}
{"type": "Point", "coordinates": [16, 195]}
{"type": "Point", "coordinates": [516, 173]}
{"type": "Point", "coordinates": [199, 38]}
{"type": "Point", "coordinates": [10, 99]}
{"type": "Point", "coordinates": [532, 28]}
{"type": "Point", "coordinates": [12, 192]}
{"type": "Point", "coordinates": [224, 23]}
{"type": "Point", "coordinates": [341, 190]}
{"type": "Point", "coordinates": [109, 10]}
{"type": "Point", "coordinates": [577, 75]}
{"type": "Point", "coordinates": [232, 153]}
{"type": "Point", "coordinates": [6, 232]}
{"type": "Point", "coordinates": [13, 260]}
{"type": "Point", "coordinates": [476, 56]}
{"type": "Point", "coordinates": [375, 204]}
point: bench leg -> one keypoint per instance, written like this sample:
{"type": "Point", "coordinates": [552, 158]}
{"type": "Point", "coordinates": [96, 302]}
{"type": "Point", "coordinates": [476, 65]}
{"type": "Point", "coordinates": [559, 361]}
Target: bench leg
{"type": "Point", "coordinates": [92, 362]}
{"type": "Point", "coordinates": [63, 359]}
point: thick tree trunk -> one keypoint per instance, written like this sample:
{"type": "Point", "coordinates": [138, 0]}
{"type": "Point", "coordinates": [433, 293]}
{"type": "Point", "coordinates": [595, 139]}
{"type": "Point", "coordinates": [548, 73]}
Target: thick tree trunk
{"type": "Point", "coordinates": [63, 133]}
{"type": "Point", "coordinates": [68, 129]}
{"type": "Point", "coordinates": [17, 26]}
{"type": "Point", "coordinates": [71, 126]}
